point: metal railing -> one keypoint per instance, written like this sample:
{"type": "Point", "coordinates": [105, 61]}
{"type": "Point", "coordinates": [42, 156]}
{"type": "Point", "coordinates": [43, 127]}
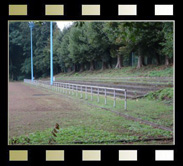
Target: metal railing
{"type": "Point", "coordinates": [74, 89]}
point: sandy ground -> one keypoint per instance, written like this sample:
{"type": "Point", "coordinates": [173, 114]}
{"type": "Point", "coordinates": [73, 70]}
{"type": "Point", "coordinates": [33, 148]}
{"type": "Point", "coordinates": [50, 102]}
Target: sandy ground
{"type": "Point", "coordinates": [31, 109]}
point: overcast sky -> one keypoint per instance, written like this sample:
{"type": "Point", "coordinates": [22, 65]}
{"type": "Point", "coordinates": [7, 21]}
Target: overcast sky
{"type": "Point", "coordinates": [62, 24]}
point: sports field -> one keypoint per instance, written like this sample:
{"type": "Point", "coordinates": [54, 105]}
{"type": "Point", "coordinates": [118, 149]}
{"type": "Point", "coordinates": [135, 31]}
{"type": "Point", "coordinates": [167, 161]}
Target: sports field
{"type": "Point", "coordinates": [33, 113]}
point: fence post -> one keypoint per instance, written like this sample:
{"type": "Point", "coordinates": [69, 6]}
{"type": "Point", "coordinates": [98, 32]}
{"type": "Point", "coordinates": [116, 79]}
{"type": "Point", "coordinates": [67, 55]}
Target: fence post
{"type": "Point", "coordinates": [125, 101]}
{"type": "Point", "coordinates": [81, 92]}
{"type": "Point", "coordinates": [86, 97]}
{"type": "Point", "coordinates": [98, 96]}
{"type": "Point", "coordinates": [105, 97]}
{"type": "Point", "coordinates": [76, 91]}
{"type": "Point", "coordinates": [91, 94]}
{"type": "Point", "coordinates": [114, 105]}
{"type": "Point", "coordinates": [69, 89]}
{"type": "Point", "coordinates": [66, 87]}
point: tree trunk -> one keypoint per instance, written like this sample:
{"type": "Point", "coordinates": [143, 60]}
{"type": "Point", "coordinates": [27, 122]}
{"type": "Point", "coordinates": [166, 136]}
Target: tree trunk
{"type": "Point", "coordinates": [92, 66]}
{"type": "Point", "coordinates": [157, 60]}
{"type": "Point", "coordinates": [69, 69]}
{"type": "Point", "coordinates": [110, 64]}
{"type": "Point", "coordinates": [119, 62]}
{"type": "Point", "coordinates": [81, 68]}
{"type": "Point", "coordinates": [167, 61]}
{"type": "Point", "coordinates": [140, 62]}
{"type": "Point", "coordinates": [104, 65]}
{"type": "Point", "coordinates": [74, 68]}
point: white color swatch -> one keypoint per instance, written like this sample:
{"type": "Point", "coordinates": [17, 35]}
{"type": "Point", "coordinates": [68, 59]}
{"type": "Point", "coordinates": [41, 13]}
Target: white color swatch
{"type": "Point", "coordinates": [162, 10]}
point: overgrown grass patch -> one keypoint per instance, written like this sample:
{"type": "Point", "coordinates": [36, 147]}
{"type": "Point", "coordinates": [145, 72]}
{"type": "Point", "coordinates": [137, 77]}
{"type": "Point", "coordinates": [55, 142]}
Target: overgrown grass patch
{"type": "Point", "coordinates": [85, 134]}
{"type": "Point", "coordinates": [162, 94]}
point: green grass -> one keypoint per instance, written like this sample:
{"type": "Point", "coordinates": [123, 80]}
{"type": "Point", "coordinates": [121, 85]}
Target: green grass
{"type": "Point", "coordinates": [97, 125]}
{"type": "Point", "coordinates": [162, 94]}
{"type": "Point", "coordinates": [89, 135]}
{"type": "Point", "coordinates": [146, 71]}
{"type": "Point", "coordinates": [151, 110]}
{"type": "Point", "coordinates": [161, 73]}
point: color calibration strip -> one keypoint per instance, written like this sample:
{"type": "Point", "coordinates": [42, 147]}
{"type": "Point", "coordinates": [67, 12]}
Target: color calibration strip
{"type": "Point", "coordinates": [54, 10]}
{"type": "Point", "coordinates": [91, 155]}
{"type": "Point", "coordinates": [91, 10]}
{"type": "Point", "coordinates": [127, 155]}
{"type": "Point", "coordinates": [17, 10]}
{"type": "Point", "coordinates": [54, 155]}
{"type": "Point", "coordinates": [18, 155]}
{"type": "Point", "coordinates": [127, 10]}
{"type": "Point", "coordinates": [164, 155]}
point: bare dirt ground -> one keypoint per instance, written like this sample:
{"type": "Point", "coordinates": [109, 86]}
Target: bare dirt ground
{"type": "Point", "coordinates": [32, 109]}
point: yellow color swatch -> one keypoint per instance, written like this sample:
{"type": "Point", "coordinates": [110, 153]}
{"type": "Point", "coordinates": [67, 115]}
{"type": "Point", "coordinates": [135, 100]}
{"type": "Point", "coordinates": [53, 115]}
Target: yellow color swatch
{"type": "Point", "coordinates": [18, 155]}
{"type": "Point", "coordinates": [54, 10]}
{"type": "Point", "coordinates": [55, 155]}
{"type": "Point", "coordinates": [91, 10]}
{"type": "Point", "coordinates": [127, 10]}
{"type": "Point", "coordinates": [127, 155]}
{"type": "Point", "coordinates": [91, 155]}
{"type": "Point", "coordinates": [17, 10]}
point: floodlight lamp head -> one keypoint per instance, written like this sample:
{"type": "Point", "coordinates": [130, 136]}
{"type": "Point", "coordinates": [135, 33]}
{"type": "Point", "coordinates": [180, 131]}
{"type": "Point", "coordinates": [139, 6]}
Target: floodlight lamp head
{"type": "Point", "coordinates": [31, 24]}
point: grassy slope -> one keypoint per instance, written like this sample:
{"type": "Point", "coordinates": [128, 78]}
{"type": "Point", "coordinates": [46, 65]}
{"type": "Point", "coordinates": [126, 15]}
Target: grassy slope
{"type": "Point", "coordinates": [147, 71]}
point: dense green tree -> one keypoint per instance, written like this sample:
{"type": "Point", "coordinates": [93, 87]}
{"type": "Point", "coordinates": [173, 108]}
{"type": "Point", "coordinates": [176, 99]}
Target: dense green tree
{"type": "Point", "coordinates": [167, 42]}
{"type": "Point", "coordinates": [145, 40]}
{"type": "Point", "coordinates": [87, 45]}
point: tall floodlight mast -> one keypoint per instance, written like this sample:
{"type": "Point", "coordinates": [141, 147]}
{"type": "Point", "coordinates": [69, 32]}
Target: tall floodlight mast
{"type": "Point", "coordinates": [51, 53]}
{"type": "Point", "coordinates": [31, 25]}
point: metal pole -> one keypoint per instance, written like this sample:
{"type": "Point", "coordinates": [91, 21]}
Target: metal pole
{"type": "Point", "coordinates": [69, 89]}
{"type": "Point", "coordinates": [76, 90]}
{"type": "Point", "coordinates": [98, 96]}
{"type": "Point", "coordinates": [114, 105]}
{"type": "Point", "coordinates": [32, 75]}
{"type": "Point", "coordinates": [91, 94]}
{"type": "Point", "coordinates": [86, 97]}
{"type": "Point", "coordinates": [105, 97]}
{"type": "Point", "coordinates": [81, 92]}
{"type": "Point", "coordinates": [125, 101]}
{"type": "Point", "coordinates": [51, 53]}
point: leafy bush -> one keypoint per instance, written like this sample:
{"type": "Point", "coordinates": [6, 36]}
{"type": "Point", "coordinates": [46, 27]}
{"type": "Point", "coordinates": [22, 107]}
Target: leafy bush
{"type": "Point", "coordinates": [163, 94]}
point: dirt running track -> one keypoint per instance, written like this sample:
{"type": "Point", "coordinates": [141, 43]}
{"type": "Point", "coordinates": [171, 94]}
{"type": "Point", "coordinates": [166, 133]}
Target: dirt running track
{"type": "Point", "coordinates": [31, 109]}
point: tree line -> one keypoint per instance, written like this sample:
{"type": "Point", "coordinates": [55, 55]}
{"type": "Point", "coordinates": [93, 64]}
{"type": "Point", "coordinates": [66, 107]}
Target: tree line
{"type": "Point", "coordinates": [88, 46]}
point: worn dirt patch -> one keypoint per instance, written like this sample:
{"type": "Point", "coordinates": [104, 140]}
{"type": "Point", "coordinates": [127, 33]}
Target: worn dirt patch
{"type": "Point", "coordinates": [29, 113]}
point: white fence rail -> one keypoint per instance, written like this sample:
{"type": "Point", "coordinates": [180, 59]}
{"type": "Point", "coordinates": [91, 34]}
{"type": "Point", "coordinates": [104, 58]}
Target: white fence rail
{"type": "Point", "coordinates": [69, 88]}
